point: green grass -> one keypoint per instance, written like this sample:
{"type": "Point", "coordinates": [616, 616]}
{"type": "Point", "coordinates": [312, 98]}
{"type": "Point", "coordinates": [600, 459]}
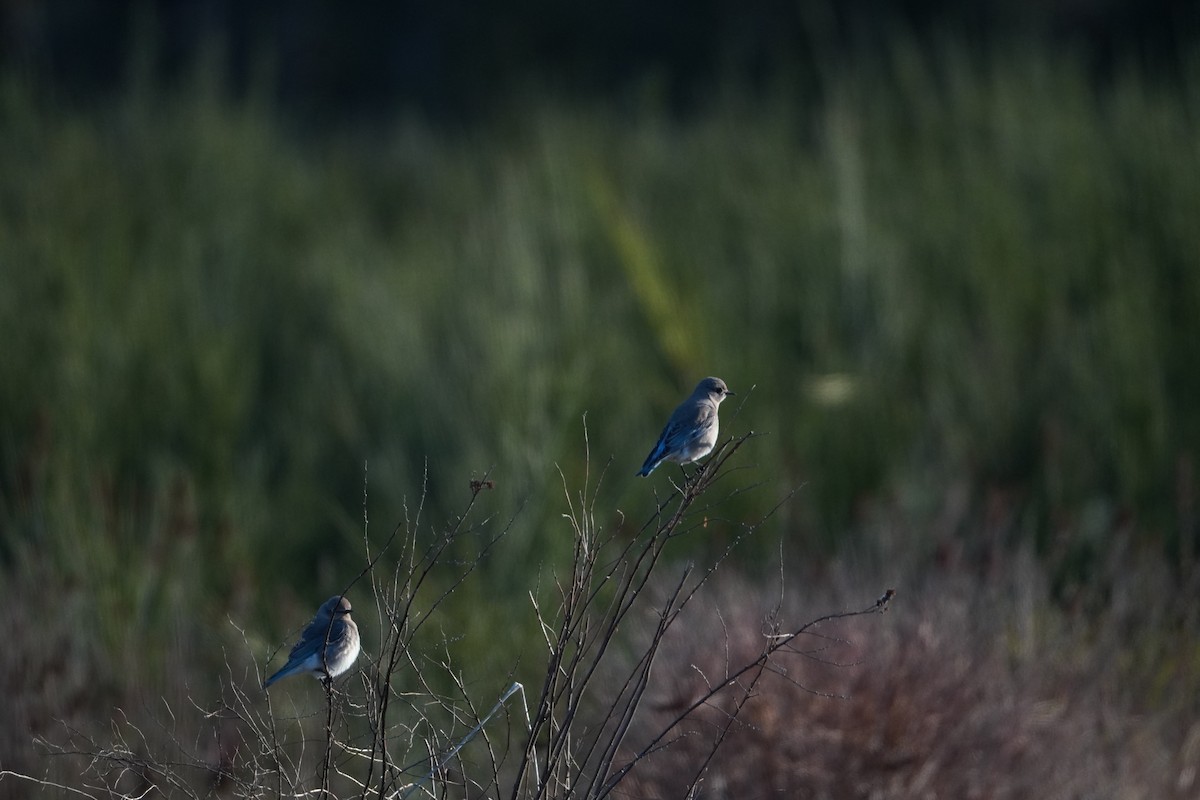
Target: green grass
{"type": "Point", "coordinates": [965, 289]}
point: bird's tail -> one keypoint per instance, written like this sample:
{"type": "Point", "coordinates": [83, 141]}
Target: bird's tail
{"type": "Point", "coordinates": [653, 461]}
{"type": "Point", "coordinates": [289, 669]}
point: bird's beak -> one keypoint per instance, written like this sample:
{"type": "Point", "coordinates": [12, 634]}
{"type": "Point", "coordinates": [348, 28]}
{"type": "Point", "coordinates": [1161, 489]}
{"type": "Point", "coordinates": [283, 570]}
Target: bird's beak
{"type": "Point", "coordinates": [729, 393]}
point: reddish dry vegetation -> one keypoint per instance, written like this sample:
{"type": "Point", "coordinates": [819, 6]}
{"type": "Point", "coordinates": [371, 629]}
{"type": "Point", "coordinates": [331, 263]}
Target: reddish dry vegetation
{"type": "Point", "coordinates": [944, 696]}
{"type": "Point", "coordinates": [963, 688]}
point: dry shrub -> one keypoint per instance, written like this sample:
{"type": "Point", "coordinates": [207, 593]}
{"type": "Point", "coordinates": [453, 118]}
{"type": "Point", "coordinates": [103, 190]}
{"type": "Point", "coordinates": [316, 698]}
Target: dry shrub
{"type": "Point", "coordinates": [944, 696]}
{"type": "Point", "coordinates": [48, 677]}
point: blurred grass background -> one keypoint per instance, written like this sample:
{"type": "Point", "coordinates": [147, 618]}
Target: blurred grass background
{"type": "Point", "coordinates": [964, 286]}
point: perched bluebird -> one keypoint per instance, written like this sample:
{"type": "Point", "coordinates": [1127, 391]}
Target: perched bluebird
{"type": "Point", "coordinates": [691, 431]}
{"type": "Point", "coordinates": [328, 646]}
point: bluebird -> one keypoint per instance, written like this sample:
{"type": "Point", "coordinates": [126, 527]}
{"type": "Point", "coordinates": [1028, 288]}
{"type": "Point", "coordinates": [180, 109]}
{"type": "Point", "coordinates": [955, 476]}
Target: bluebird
{"type": "Point", "coordinates": [691, 431]}
{"type": "Point", "coordinates": [327, 647]}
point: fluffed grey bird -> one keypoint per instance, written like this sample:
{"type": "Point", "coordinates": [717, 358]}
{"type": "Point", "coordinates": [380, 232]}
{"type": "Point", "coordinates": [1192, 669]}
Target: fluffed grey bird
{"type": "Point", "coordinates": [691, 432]}
{"type": "Point", "coordinates": [327, 647]}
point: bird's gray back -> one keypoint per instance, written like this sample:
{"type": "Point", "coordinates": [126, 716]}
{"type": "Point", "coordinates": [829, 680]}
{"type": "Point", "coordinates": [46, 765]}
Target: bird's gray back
{"type": "Point", "coordinates": [693, 416]}
{"type": "Point", "coordinates": [313, 636]}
